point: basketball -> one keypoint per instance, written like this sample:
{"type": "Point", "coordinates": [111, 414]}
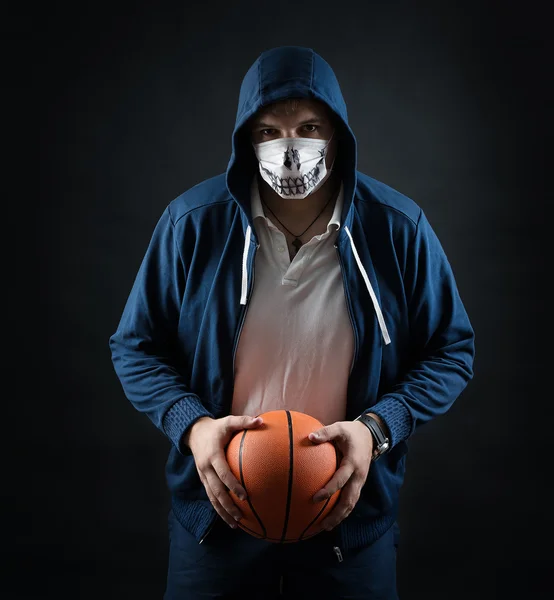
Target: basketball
{"type": "Point", "coordinates": [281, 470]}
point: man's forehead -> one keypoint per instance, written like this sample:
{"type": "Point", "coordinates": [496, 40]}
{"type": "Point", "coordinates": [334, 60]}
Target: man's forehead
{"type": "Point", "coordinates": [293, 106]}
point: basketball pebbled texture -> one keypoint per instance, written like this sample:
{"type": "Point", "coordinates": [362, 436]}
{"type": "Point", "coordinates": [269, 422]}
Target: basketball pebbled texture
{"type": "Point", "coordinates": [281, 470]}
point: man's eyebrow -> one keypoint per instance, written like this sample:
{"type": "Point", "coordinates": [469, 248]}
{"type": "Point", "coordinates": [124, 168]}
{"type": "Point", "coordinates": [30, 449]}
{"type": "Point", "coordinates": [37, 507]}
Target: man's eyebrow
{"type": "Point", "coordinates": [264, 125]}
{"type": "Point", "coordinates": [315, 120]}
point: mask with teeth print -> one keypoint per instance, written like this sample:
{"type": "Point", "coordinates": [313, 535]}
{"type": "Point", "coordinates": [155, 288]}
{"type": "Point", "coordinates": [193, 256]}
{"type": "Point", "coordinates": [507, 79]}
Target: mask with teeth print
{"type": "Point", "coordinates": [293, 167]}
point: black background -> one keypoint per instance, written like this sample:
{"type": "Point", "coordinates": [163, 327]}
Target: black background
{"type": "Point", "coordinates": [134, 104]}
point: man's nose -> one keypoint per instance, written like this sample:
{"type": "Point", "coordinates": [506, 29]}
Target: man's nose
{"type": "Point", "coordinates": [291, 134]}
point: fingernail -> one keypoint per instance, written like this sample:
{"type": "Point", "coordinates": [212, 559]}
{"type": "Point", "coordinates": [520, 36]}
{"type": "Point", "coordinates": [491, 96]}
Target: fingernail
{"type": "Point", "coordinates": [314, 436]}
{"type": "Point", "coordinates": [241, 496]}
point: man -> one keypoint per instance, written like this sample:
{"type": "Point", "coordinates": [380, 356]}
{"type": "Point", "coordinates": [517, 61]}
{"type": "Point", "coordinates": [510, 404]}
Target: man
{"type": "Point", "coordinates": [291, 281]}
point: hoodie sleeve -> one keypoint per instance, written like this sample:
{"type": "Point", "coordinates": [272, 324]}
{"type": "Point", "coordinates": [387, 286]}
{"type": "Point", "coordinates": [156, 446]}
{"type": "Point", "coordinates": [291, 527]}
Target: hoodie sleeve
{"type": "Point", "coordinates": [143, 346]}
{"type": "Point", "coordinates": [442, 341]}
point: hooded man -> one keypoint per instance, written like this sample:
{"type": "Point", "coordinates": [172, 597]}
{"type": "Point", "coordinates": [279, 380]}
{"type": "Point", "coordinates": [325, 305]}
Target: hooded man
{"type": "Point", "coordinates": [292, 281]}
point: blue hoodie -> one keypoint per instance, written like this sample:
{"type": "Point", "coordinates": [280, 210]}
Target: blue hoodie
{"type": "Point", "coordinates": [174, 348]}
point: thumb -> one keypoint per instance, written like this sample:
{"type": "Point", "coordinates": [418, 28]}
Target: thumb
{"type": "Point", "coordinates": [324, 434]}
{"type": "Point", "coordinates": [235, 423]}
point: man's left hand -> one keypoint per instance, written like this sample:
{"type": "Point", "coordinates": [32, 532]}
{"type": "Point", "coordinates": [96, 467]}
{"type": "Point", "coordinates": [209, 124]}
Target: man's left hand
{"type": "Point", "coordinates": [355, 442]}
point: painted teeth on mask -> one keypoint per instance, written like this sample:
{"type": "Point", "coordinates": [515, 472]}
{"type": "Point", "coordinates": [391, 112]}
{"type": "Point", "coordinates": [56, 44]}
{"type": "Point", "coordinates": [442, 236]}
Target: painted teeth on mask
{"type": "Point", "coordinates": [294, 185]}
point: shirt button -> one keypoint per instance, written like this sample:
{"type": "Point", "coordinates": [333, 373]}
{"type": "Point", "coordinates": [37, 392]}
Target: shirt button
{"type": "Point", "coordinates": [281, 248]}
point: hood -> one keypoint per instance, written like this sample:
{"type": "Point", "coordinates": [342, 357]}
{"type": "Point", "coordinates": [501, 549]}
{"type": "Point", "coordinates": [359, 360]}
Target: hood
{"type": "Point", "coordinates": [279, 73]}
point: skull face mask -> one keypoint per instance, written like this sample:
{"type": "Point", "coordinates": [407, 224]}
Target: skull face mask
{"type": "Point", "coordinates": [293, 167]}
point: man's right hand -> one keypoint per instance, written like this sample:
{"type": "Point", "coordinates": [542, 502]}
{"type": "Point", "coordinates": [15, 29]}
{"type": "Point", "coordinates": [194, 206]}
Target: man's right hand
{"type": "Point", "coordinates": [207, 440]}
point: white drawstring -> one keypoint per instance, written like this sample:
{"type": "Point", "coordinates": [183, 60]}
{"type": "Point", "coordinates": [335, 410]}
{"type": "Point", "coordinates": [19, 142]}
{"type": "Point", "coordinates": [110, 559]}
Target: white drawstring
{"type": "Point", "coordinates": [370, 289]}
{"type": "Point", "coordinates": [244, 289]}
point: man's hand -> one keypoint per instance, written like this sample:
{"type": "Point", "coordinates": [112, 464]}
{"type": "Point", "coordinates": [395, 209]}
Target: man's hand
{"type": "Point", "coordinates": [355, 442]}
{"type": "Point", "coordinates": [207, 440]}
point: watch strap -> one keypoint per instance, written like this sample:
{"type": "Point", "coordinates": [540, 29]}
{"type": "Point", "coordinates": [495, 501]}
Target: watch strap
{"type": "Point", "coordinates": [382, 442]}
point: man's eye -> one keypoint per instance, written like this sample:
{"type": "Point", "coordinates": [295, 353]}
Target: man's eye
{"type": "Point", "coordinates": [267, 131]}
{"type": "Point", "coordinates": [310, 128]}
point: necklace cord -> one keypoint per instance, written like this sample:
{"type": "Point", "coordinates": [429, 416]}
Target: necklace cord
{"type": "Point", "coordinates": [317, 217]}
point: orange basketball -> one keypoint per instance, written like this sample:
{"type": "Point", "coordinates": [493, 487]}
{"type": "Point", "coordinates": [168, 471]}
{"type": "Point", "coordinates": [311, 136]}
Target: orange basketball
{"type": "Point", "coordinates": [281, 470]}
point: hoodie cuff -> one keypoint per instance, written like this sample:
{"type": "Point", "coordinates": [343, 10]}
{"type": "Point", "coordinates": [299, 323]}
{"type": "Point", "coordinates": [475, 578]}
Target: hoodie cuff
{"type": "Point", "coordinates": [180, 417]}
{"type": "Point", "coordinates": [396, 417]}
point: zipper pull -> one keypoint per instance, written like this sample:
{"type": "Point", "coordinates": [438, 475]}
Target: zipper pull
{"type": "Point", "coordinates": [208, 531]}
{"type": "Point", "coordinates": [338, 553]}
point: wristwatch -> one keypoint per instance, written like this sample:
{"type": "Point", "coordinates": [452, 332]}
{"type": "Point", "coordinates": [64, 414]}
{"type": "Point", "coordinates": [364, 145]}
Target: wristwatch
{"type": "Point", "coordinates": [382, 442]}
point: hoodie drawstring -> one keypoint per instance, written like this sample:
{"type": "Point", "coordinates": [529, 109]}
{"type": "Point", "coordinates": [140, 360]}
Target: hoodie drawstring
{"type": "Point", "coordinates": [244, 288]}
{"type": "Point", "coordinates": [376, 306]}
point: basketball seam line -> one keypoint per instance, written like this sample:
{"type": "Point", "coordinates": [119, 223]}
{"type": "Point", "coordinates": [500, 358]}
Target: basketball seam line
{"type": "Point", "coordinates": [326, 502]}
{"type": "Point", "coordinates": [244, 485]}
{"type": "Point", "coordinates": [315, 518]}
{"type": "Point", "coordinates": [291, 463]}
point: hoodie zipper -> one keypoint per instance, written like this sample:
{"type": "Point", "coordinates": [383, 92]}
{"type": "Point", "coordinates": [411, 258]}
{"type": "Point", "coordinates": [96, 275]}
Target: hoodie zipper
{"type": "Point", "coordinates": [244, 309]}
{"type": "Point", "coordinates": [336, 549]}
{"type": "Point", "coordinates": [349, 307]}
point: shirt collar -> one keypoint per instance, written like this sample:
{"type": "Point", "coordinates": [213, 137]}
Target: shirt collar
{"type": "Point", "coordinates": [258, 211]}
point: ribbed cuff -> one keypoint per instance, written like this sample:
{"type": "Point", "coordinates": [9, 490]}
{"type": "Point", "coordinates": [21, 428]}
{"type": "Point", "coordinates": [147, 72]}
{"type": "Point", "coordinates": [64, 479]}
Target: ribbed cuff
{"type": "Point", "coordinates": [182, 415]}
{"type": "Point", "coordinates": [395, 416]}
{"type": "Point", "coordinates": [195, 516]}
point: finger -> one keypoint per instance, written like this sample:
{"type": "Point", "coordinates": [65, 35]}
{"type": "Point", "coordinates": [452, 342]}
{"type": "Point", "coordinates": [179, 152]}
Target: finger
{"type": "Point", "coordinates": [217, 505]}
{"type": "Point", "coordinates": [326, 434]}
{"type": "Point", "coordinates": [222, 495]}
{"type": "Point", "coordinates": [221, 467]}
{"type": "Point", "coordinates": [348, 500]}
{"type": "Point", "coordinates": [337, 482]}
{"type": "Point", "coordinates": [236, 423]}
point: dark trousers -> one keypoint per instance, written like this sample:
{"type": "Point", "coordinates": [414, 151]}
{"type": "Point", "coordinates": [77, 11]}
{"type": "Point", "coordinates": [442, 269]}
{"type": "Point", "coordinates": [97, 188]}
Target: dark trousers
{"type": "Point", "coordinates": [234, 565]}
